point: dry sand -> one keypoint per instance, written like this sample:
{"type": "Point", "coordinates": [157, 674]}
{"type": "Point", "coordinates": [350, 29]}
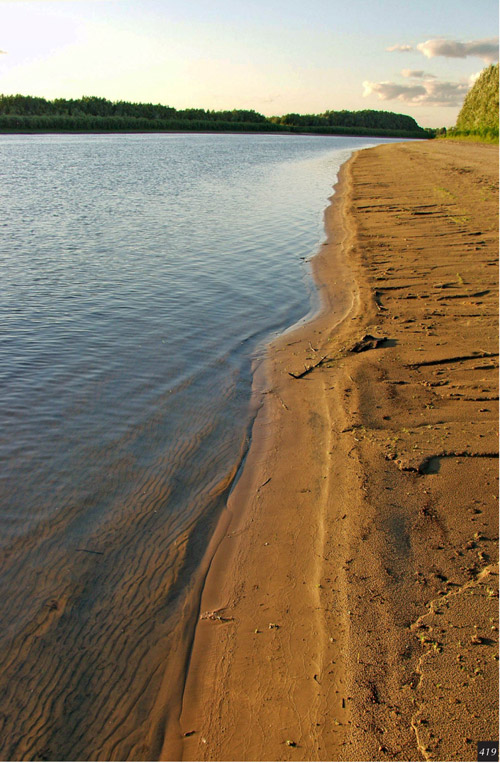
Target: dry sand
{"type": "Point", "coordinates": [350, 608]}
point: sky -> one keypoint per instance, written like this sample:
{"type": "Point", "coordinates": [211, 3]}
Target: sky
{"type": "Point", "coordinates": [274, 56]}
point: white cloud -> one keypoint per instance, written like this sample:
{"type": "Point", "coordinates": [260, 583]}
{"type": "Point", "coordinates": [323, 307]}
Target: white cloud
{"type": "Point", "coordinates": [445, 93]}
{"type": "Point", "coordinates": [429, 93]}
{"type": "Point", "coordinates": [390, 91]}
{"type": "Point", "coordinates": [400, 48]}
{"type": "Point", "coordinates": [485, 49]}
{"type": "Point", "coordinates": [473, 77]}
{"type": "Point", "coordinates": [417, 74]}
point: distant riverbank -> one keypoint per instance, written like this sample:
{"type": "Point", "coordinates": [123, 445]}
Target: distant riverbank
{"type": "Point", "coordinates": [25, 113]}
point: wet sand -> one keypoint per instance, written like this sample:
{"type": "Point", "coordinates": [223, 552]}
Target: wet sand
{"type": "Point", "coordinates": [350, 606]}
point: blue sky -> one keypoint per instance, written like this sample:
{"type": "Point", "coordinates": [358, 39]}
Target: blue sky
{"type": "Point", "coordinates": [269, 55]}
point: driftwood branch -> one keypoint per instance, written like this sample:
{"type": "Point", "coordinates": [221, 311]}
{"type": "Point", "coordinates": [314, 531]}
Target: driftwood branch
{"type": "Point", "coordinates": [368, 342]}
{"type": "Point", "coordinates": [308, 369]}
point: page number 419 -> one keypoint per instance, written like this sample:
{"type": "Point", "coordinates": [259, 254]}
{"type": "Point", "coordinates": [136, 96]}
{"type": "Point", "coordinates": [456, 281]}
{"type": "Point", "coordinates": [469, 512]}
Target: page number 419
{"type": "Point", "coordinates": [487, 750]}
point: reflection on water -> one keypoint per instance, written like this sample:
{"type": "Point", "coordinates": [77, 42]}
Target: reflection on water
{"type": "Point", "coordinates": [140, 273]}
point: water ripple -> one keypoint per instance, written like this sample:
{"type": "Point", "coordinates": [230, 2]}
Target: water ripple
{"type": "Point", "coordinates": [140, 275]}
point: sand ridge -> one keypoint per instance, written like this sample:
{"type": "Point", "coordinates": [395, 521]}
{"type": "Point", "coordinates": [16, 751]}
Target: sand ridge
{"type": "Point", "coordinates": [350, 607]}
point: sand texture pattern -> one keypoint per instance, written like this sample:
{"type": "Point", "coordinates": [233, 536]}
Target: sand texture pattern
{"type": "Point", "coordinates": [350, 606]}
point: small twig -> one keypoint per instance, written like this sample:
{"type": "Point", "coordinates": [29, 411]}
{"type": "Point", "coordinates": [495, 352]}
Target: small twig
{"type": "Point", "coordinates": [89, 551]}
{"type": "Point", "coordinates": [215, 615]}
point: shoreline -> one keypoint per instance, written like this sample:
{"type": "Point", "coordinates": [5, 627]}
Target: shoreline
{"type": "Point", "coordinates": [219, 552]}
{"type": "Point", "coordinates": [315, 621]}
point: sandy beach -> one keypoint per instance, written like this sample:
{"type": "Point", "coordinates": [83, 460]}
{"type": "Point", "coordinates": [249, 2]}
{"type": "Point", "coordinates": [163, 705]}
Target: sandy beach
{"type": "Point", "coordinates": [350, 607]}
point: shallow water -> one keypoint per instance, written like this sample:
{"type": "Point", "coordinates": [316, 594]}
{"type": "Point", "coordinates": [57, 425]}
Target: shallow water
{"type": "Point", "coordinates": [141, 277]}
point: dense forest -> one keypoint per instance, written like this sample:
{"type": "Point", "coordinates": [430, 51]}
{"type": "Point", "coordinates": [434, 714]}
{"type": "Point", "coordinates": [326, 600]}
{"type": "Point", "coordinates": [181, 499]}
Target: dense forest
{"type": "Point", "coordinates": [480, 109]}
{"type": "Point", "coordinates": [365, 119]}
{"type": "Point", "coordinates": [478, 117]}
{"type": "Point", "coordinates": [24, 113]}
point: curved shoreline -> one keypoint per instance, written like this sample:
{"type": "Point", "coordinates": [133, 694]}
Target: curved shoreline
{"type": "Point", "coordinates": [321, 634]}
{"type": "Point", "coordinates": [336, 303]}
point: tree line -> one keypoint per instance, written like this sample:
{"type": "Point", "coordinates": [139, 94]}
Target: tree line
{"type": "Point", "coordinates": [368, 118]}
{"type": "Point", "coordinates": [25, 113]}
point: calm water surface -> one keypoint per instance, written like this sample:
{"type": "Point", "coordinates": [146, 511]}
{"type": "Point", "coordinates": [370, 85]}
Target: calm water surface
{"type": "Point", "coordinates": [141, 276]}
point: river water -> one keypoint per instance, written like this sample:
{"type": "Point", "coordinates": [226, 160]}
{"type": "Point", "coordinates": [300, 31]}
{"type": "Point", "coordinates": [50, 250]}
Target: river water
{"type": "Point", "coordinates": [141, 278]}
